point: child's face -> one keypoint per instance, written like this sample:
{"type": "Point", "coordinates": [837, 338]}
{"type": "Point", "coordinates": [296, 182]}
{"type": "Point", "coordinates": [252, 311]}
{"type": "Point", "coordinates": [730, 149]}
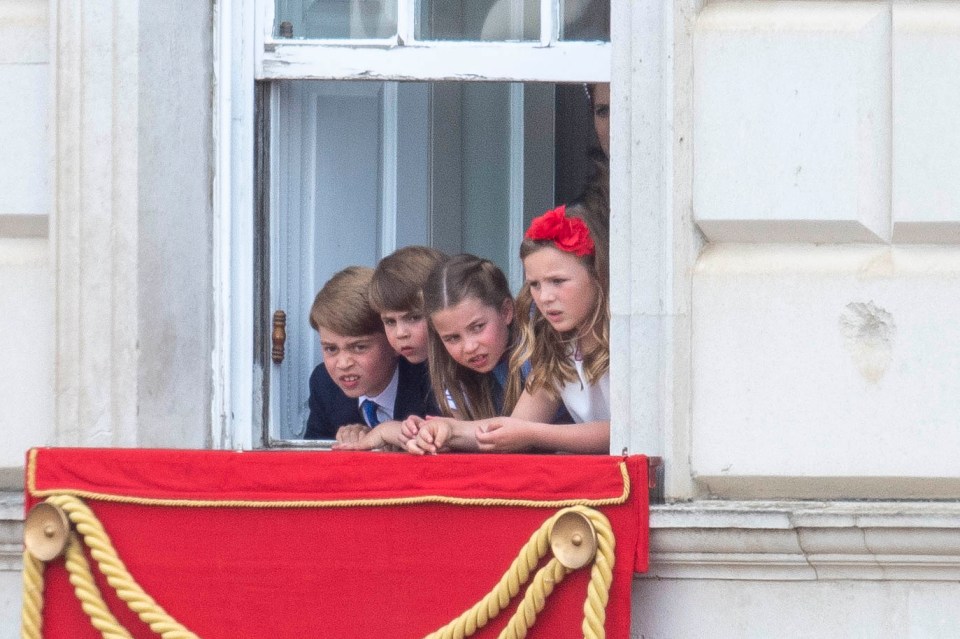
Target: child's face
{"type": "Point", "coordinates": [358, 365]}
{"type": "Point", "coordinates": [562, 288]}
{"type": "Point", "coordinates": [475, 334]}
{"type": "Point", "coordinates": [407, 334]}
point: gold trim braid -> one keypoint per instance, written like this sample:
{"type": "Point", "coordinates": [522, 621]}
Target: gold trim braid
{"type": "Point", "coordinates": [329, 503]}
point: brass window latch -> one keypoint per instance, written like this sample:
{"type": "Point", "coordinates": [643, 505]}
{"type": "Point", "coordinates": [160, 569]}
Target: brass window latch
{"type": "Point", "coordinates": [279, 336]}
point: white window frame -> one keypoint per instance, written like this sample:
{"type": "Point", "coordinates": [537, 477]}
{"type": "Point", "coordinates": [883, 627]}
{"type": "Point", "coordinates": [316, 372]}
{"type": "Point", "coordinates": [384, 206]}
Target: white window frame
{"type": "Point", "coordinates": [247, 52]}
{"type": "Point", "coordinates": [402, 57]}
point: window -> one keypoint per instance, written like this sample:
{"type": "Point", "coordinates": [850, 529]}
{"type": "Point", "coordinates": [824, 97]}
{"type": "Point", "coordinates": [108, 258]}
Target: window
{"type": "Point", "coordinates": [408, 122]}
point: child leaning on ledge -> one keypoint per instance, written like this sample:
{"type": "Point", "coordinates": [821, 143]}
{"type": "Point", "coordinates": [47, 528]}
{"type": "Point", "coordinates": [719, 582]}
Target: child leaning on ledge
{"type": "Point", "coordinates": [396, 294]}
{"type": "Point", "coordinates": [563, 313]}
{"type": "Point", "coordinates": [361, 386]}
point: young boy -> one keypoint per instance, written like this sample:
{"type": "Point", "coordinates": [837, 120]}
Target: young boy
{"type": "Point", "coordinates": [396, 293]}
{"type": "Point", "coordinates": [361, 386]}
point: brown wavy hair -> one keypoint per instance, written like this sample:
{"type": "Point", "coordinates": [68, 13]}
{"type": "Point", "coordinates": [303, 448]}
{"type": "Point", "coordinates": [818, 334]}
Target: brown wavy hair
{"type": "Point", "coordinates": [453, 280]}
{"type": "Point", "coordinates": [548, 349]}
{"type": "Point", "coordinates": [399, 278]}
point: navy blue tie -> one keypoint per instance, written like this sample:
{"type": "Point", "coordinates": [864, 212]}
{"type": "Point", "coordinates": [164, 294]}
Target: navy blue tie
{"type": "Point", "coordinates": [369, 408]}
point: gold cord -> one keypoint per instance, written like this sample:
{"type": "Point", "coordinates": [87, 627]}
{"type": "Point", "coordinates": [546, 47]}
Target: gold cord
{"type": "Point", "coordinates": [31, 615]}
{"type": "Point", "coordinates": [467, 624]}
{"type": "Point", "coordinates": [103, 552]}
{"type": "Point", "coordinates": [91, 600]}
{"type": "Point", "coordinates": [598, 590]}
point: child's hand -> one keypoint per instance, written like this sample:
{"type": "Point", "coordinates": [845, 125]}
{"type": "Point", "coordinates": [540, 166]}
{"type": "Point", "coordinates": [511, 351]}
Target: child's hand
{"type": "Point", "coordinates": [351, 433]}
{"type": "Point", "coordinates": [410, 427]}
{"type": "Point", "coordinates": [385, 435]}
{"type": "Point", "coordinates": [504, 435]}
{"type": "Point", "coordinates": [431, 437]}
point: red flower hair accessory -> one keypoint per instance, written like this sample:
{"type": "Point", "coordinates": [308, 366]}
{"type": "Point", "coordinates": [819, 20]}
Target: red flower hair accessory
{"type": "Point", "coordinates": [569, 234]}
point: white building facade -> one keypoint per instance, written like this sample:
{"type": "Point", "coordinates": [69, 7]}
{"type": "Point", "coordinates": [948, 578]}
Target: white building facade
{"type": "Point", "coordinates": [785, 257]}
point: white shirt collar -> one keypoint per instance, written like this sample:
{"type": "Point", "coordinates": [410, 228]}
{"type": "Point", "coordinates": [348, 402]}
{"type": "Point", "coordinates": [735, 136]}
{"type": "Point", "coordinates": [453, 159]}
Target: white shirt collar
{"type": "Point", "coordinates": [386, 399]}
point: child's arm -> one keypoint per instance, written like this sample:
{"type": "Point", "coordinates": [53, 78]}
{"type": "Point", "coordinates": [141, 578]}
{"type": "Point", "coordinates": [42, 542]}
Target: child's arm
{"type": "Point", "coordinates": [536, 407]}
{"type": "Point", "coordinates": [509, 434]}
{"type": "Point", "coordinates": [528, 428]}
{"type": "Point", "coordinates": [384, 434]}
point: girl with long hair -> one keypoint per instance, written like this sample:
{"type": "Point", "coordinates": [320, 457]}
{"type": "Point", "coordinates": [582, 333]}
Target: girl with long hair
{"type": "Point", "coordinates": [564, 326]}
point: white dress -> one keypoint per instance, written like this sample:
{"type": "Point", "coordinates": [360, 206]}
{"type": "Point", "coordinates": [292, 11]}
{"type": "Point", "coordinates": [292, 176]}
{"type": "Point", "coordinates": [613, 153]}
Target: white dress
{"type": "Point", "coordinates": [584, 402]}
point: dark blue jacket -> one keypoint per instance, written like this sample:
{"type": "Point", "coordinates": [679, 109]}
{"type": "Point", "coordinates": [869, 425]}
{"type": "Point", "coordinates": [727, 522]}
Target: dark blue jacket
{"type": "Point", "coordinates": [330, 408]}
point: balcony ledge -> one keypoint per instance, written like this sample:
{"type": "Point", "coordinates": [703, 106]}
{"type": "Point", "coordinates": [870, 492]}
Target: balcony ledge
{"type": "Point", "coordinates": [800, 540]}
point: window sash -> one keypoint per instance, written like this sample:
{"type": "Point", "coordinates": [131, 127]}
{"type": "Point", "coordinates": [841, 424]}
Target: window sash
{"type": "Point", "coordinates": [488, 62]}
{"type": "Point", "coordinates": [402, 57]}
{"type": "Point", "coordinates": [550, 20]}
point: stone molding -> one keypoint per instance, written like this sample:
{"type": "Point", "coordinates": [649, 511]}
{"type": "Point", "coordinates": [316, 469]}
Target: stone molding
{"type": "Point", "coordinates": [11, 531]}
{"type": "Point", "coordinates": [756, 541]}
{"type": "Point", "coordinates": [747, 540]}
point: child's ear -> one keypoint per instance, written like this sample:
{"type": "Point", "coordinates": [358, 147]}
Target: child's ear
{"type": "Point", "coordinates": [506, 311]}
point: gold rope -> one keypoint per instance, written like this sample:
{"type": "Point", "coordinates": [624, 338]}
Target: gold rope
{"type": "Point", "coordinates": [467, 624]}
{"type": "Point", "coordinates": [103, 552]}
{"type": "Point", "coordinates": [91, 600]}
{"type": "Point", "coordinates": [598, 590]}
{"type": "Point", "coordinates": [31, 614]}
{"type": "Point", "coordinates": [601, 576]}
{"type": "Point", "coordinates": [534, 600]}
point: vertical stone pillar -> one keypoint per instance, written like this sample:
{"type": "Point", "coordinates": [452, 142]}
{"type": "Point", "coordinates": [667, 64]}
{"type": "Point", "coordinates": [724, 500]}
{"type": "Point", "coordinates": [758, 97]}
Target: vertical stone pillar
{"type": "Point", "coordinates": [94, 228]}
{"type": "Point", "coordinates": [653, 239]}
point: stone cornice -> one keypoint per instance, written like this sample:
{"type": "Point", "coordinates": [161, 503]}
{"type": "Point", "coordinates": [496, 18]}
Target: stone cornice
{"type": "Point", "coordinates": [806, 541]}
{"type": "Point", "coordinates": [752, 540]}
{"type": "Point", "coordinates": [11, 531]}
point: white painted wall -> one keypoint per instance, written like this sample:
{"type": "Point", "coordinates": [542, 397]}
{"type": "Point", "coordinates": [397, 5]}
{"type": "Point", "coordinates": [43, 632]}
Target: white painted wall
{"type": "Point", "coordinates": [26, 341]}
{"type": "Point", "coordinates": [26, 284]}
{"type": "Point", "coordinates": [175, 220]}
{"type": "Point", "coordinates": [824, 351]}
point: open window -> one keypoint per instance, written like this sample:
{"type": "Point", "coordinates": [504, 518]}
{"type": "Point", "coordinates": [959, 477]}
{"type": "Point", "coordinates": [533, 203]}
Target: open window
{"type": "Point", "coordinates": [384, 124]}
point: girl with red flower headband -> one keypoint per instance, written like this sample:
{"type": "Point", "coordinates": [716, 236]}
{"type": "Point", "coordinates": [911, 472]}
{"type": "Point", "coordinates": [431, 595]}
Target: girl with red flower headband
{"type": "Point", "coordinates": [564, 331]}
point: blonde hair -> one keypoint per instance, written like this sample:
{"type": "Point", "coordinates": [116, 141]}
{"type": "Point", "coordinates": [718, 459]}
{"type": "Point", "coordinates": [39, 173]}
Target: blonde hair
{"type": "Point", "coordinates": [342, 304]}
{"type": "Point", "coordinates": [548, 349]}
{"type": "Point", "coordinates": [398, 280]}
{"type": "Point", "coordinates": [453, 280]}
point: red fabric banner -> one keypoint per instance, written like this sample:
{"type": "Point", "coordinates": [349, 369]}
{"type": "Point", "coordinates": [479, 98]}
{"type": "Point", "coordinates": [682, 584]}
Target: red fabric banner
{"type": "Point", "coordinates": [333, 544]}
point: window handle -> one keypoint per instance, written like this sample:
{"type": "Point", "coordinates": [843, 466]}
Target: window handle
{"type": "Point", "coordinates": [279, 336]}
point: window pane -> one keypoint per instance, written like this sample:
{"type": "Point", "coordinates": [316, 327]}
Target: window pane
{"type": "Point", "coordinates": [336, 19]}
{"type": "Point", "coordinates": [358, 169]}
{"type": "Point", "coordinates": [494, 20]}
{"type": "Point", "coordinates": [586, 20]}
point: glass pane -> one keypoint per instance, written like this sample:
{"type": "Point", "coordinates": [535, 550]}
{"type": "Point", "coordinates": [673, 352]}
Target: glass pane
{"type": "Point", "coordinates": [493, 20]}
{"type": "Point", "coordinates": [586, 20]}
{"type": "Point", "coordinates": [336, 19]}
